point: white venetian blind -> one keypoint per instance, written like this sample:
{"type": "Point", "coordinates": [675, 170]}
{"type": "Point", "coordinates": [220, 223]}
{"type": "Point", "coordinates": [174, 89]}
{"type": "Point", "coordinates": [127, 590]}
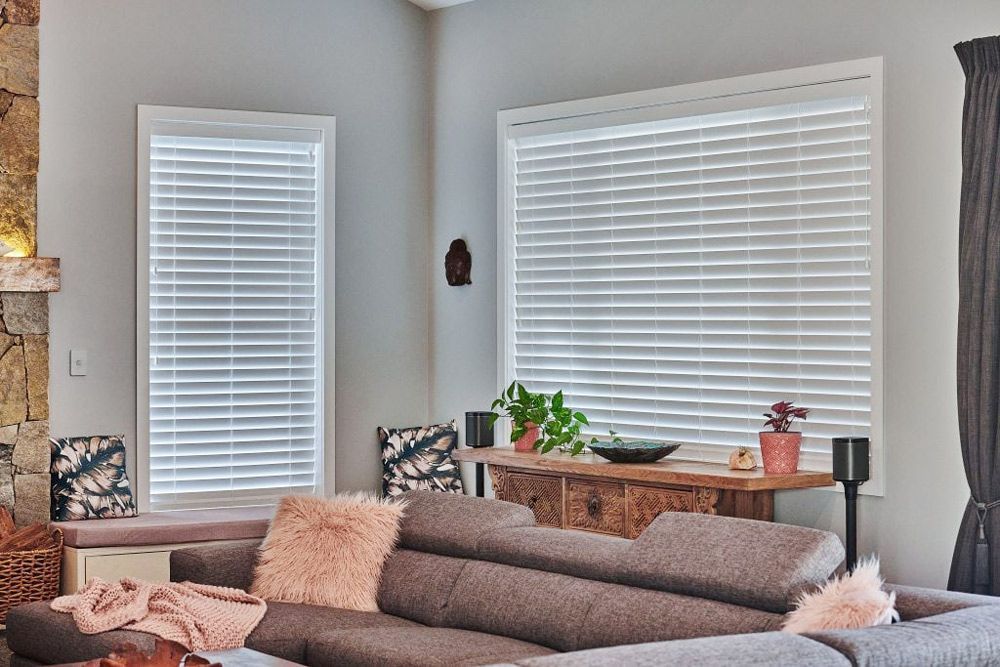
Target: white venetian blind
{"type": "Point", "coordinates": [677, 277]}
{"type": "Point", "coordinates": [234, 326]}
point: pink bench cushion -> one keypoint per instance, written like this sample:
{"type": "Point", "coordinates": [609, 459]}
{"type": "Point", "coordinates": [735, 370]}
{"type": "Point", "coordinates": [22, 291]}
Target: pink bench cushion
{"type": "Point", "coordinates": [239, 523]}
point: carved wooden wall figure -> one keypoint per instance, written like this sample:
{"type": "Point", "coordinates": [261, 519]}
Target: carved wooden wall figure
{"type": "Point", "coordinates": [458, 264]}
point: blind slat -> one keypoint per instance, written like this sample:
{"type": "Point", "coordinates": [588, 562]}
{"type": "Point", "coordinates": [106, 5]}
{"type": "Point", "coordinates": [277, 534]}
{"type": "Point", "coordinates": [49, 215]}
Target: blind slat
{"type": "Point", "coordinates": [233, 411]}
{"type": "Point", "coordinates": [674, 278]}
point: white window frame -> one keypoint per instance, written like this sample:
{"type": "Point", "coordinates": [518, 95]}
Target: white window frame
{"type": "Point", "coordinates": [703, 98]}
{"type": "Point", "coordinates": [326, 410]}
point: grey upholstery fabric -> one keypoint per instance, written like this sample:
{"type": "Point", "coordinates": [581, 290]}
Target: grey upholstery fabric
{"type": "Point", "coordinates": [965, 637]}
{"type": "Point", "coordinates": [185, 526]}
{"type": "Point", "coordinates": [417, 585]}
{"type": "Point", "coordinates": [586, 555]}
{"type": "Point", "coordinates": [286, 627]}
{"type": "Point", "coordinates": [539, 607]}
{"type": "Point", "coordinates": [913, 603]}
{"type": "Point", "coordinates": [451, 524]}
{"type": "Point", "coordinates": [764, 650]}
{"type": "Point", "coordinates": [979, 315]}
{"type": "Point", "coordinates": [18, 661]}
{"type": "Point", "coordinates": [420, 647]}
{"type": "Point", "coordinates": [49, 637]}
{"type": "Point", "coordinates": [567, 613]}
{"type": "Point", "coordinates": [511, 612]}
{"type": "Point", "coordinates": [752, 563]}
{"type": "Point", "coordinates": [623, 615]}
{"type": "Point", "coordinates": [228, 564]}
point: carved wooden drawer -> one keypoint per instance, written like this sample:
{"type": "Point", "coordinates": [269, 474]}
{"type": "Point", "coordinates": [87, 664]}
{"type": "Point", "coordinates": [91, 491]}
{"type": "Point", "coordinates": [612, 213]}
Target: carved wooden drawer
{"type": "Point", "coordinates": [595, 506]}
{"type": "Point", "coordinates": [645, 503]}
{"type": "Point", "coordinates": [542, 494]}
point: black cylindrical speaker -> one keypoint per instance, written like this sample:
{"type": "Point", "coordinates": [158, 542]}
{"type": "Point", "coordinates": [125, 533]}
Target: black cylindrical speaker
{"type": "Point", "coordinates": [851, 459]}
{"type": "Point", "coordinates": [478, 432]}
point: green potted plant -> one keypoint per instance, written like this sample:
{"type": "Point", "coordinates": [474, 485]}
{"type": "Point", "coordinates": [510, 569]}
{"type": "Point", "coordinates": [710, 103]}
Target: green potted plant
{"type": "Point", "coordinates": [779, 447]}
{"type": "Point", "coordinates": [539, 421]}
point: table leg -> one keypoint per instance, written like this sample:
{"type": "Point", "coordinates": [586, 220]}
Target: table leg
{"type": "Point", "coordinates": [480, 480]}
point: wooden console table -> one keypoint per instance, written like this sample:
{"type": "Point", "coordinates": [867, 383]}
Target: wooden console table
{"type": "Point", "coordinates": [587, 492]}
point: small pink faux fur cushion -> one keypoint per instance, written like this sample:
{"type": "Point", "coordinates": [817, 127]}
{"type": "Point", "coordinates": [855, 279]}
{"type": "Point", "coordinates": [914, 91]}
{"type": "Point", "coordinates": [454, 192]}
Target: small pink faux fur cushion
{"type": "Point", "coordinates": [327, 552]}
{"type": "Point", "coordinates": [855, 600]}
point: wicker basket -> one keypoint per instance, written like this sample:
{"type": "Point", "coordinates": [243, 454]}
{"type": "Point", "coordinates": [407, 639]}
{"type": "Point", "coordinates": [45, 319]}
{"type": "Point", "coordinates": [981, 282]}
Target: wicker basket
{"type": "Point", "coordinates": [29, 576]}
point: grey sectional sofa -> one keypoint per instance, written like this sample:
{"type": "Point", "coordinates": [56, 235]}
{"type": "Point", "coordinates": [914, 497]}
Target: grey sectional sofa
{"type": "Point", "coordinates": [475, 582]}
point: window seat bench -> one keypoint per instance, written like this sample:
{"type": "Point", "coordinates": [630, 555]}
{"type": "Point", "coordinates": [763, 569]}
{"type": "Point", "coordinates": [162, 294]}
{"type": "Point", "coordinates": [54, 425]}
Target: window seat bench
{"type": "Point", "coordinates": [140, 547]}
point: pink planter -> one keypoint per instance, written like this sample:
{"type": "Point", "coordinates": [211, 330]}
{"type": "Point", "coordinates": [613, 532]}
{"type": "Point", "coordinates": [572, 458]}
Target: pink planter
{"type": "Point", "coordinates": [780, 451]}
{"type": "Point", "coordinates": [526, 443]}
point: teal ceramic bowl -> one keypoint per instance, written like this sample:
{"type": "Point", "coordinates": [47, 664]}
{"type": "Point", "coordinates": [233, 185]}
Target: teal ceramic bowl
{"type": "Point", "coordinates": [637, 451]}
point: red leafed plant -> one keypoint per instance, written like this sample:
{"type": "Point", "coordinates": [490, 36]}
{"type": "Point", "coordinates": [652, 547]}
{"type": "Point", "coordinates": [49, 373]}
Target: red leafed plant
{"type": "Point", "coordinates": [782, 414]}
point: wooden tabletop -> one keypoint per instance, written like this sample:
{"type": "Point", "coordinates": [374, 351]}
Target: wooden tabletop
{"type": "Point", "coordinates": [666, 471]}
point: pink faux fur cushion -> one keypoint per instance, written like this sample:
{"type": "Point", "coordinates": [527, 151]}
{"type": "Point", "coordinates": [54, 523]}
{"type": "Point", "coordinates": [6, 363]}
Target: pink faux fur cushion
{"type": "Point", "coordinates": [327, 552]}
{"type": "Point", "coordinates": [855, 600]}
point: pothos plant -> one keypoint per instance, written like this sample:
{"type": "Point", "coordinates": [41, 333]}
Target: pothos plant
{"type": "Point", "coordinates": [560, 425]}
{"type": "Point", "coordinates": [616, 440]}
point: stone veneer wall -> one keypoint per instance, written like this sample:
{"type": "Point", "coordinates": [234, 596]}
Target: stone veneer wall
{"type": "Point", "coordinates": [24, 405]}
{"type": "Point", "coordinates": [24, 316]}
{"type": "Point", "coordinates": [18, 124]}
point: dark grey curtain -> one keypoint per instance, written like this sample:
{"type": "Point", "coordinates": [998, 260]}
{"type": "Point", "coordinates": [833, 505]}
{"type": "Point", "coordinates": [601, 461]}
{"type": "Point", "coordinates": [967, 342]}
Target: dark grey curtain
{"type": "Point", "coordinates": [975, 567]}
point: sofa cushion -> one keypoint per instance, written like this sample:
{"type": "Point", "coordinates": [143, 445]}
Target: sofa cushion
{"type": "Point", "coordinates": [763, 650]}
{"type": "Point", "coordinates": [573, 552]}
{"type": "Point", "coordinates": [913, 602]}
{"type": "Point", "coordinates": [417, 585]}
{"type": "Point", "coordinates": [416, 647]}
{"type": "Point", "coordinates": [89, 478]}
{"type": "Point", "coordinates": [229, 564]}
{"type": "Point", "coordinates": [239, 523]}
{"type": "Point", "coordinates": [624, 615]}
{"type": "Point", "coordinates": [287, 626]}
{"type": "Point", "coordinates": [49, 637]}
{"type": "Point", "coordinates": [567, 613]}
{"type": "Point", "coordinates": [751, 563]}
{"type": "Point", "coordinates": [964, 637]}
{"type": "Point", "coordinates": [419, 457]}
{"type": "Point", "coordinates": [18, 661]}
{"type": "Point", "coordinates": [328, 551]}
{"type": "Point", "coordinates": [539, 607]}
{"type": "Point", "coordinates": [451, 524]}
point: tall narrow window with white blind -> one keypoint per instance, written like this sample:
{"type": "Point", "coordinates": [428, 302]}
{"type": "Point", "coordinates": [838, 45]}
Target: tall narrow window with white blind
{"type": "Point", "coordinates": [677, 266]}
{"type": "Point", "coordinates": [231, 309]}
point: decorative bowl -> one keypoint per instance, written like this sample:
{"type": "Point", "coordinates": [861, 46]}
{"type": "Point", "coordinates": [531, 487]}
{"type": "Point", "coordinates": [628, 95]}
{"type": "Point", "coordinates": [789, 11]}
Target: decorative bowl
{"type": "Point", "coordinates": [635, 451]}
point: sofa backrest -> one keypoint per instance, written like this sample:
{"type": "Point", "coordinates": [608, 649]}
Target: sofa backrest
{"type": "Point", "coordinates": [452, 524]}
{"type": "Point", "coordinates": [752, 563]}
{"type": "Point", "coordinates": [482, 565]}
{"type": "Point", "coordinates": [766, 648]}
{"type": "Point", "coordinates": [913, 603]}
{"type": "Point", "coordinates": [964, 637]}
{"type": "Point", "coordinates": [756, 564]}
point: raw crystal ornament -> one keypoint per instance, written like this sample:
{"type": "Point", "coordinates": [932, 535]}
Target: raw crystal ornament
{"type": "Point", "coordinates": [742, 459]}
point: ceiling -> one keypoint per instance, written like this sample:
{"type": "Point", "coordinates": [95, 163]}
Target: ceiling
{"type": "Point", "coordinates": [437, 4]}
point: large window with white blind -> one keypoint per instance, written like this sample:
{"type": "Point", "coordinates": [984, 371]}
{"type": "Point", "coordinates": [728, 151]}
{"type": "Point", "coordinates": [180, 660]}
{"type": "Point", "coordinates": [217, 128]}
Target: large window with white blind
{"type": "Point", "coordinates": [678, 260]}
{"type": "Point", "coordinates": [232, 208]}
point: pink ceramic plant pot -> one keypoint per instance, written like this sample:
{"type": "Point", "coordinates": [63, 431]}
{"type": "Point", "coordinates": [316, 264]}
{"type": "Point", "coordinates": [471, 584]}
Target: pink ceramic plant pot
{"type": "Point", "coordinates": [780, 451]}
{"type": "Point", "coordinates": [526, 443]}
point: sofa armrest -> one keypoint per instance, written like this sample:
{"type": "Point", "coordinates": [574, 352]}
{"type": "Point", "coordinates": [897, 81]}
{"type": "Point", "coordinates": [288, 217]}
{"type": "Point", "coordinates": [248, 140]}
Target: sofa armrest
{"type": "Point", "coordinates": [228, 564]}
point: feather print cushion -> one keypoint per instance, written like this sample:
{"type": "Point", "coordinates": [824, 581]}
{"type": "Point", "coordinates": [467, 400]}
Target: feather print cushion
{"type": "Point", "coordinates": [419, 458]}
{"type": "Point", "coordinates": [89, 479]}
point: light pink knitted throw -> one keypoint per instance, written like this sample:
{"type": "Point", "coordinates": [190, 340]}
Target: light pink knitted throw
{"type": "Point", "coordinates": [202, 618]}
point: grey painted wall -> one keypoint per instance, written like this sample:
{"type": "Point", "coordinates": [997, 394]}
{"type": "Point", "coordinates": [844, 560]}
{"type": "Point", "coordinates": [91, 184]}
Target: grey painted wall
{"type": "Point", "coordinates": [363, 61]}
{"type": "Point", "coordinates": [392, 74]}
{"type": "Point", "coordinates": [496, 54]}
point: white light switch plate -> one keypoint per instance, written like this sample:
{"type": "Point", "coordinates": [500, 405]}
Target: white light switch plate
{"type": "Point", "coordinates": [77, 362]}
